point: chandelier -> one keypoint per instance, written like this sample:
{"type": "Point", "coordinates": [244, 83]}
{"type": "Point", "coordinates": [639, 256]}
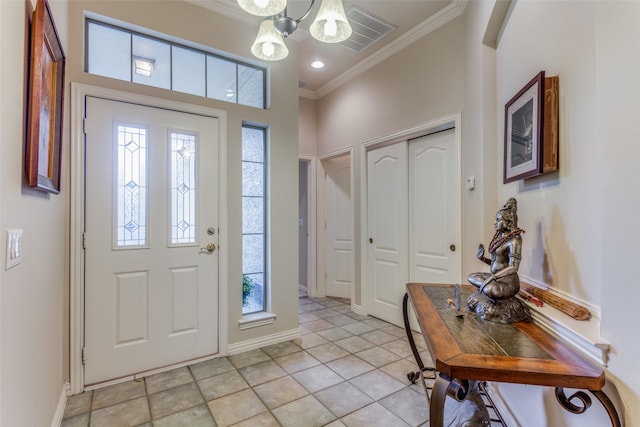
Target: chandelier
{"type": "Point", "coordinates": [330, 26]}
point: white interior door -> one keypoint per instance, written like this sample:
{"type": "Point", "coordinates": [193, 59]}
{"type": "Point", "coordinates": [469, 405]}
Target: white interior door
{"type": "Point", "coordinates": [413, 219]}
{"type": "Point", "coordinates": [387, 222]}
{"type": "Point", "coordinates": [151, 292]}
{"type": "Point", "coordinates": [434, 209]}
{"type": "Point", "coordinates": [339, 227]}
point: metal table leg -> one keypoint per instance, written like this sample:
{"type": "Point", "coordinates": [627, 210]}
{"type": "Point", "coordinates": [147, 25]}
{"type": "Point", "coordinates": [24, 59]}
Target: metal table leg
{"type": "Point", "coordinates": [585, 402]}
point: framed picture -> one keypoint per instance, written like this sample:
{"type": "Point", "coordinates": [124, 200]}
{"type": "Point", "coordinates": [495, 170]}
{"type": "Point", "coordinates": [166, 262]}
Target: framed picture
{"type": "Point", "coordinates": [46, 87]}
{"type": "Point", "coordinates": [523, 128]}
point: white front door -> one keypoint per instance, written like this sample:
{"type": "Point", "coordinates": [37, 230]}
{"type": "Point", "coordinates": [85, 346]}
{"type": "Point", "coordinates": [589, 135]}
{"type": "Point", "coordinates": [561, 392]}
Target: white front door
{"type": "Point", "coordinates": [339, 226]}
{"type": "Point", "coordinates": [151, 206]}
{"type": "Point", "coordinates": [387, 220]}
{"type": "Point", "coordinates": [434, 209]}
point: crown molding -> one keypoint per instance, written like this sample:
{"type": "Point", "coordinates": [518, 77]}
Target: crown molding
{"type": "Point", "coordinates": [446, 14]}
{"type": "Point", "coordinates": [306, 93]}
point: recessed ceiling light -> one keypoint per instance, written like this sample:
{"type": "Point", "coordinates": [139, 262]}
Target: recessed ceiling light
{"type": "Point", "coordinates": [143, 66]}
{"type": "Point", "coordinates": [317, 64]}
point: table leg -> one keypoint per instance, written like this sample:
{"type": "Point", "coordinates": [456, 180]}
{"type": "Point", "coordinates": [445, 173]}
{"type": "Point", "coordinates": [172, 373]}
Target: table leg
{"type": "Point", "coordinates": [413, 376]}
{"type": "Point", "coordinates": [438, 397]}
{"type": "Point", "coordinates": [585, 402]}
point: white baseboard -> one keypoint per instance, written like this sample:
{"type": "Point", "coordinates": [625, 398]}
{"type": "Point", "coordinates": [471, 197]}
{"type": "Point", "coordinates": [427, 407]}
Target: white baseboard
{"type": "Point", "coordinates": [358, 309]}
{"type": "Point", "coordinates": [501, 406]}
{"type": "Point", "coordinates": [62, 403]}
{"type": "Point", "coordinates": [252, 344]}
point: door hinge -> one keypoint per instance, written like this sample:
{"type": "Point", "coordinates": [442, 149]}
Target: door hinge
{"type": "Point", "coordinates": [84, 125]}
{"type": "Point", "coordinates": [84, 240]}
{"type": "Point", "coordinates": [84, 355]}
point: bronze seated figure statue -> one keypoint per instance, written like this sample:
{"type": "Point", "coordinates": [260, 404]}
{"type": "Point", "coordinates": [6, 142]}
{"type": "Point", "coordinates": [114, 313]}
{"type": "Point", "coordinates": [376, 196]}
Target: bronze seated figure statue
{"type": "Point", "coordinates": [496, 299]}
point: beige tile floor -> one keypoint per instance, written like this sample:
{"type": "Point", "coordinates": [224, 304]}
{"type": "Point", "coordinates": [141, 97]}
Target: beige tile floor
{"type": "Point", "coordinates": [346, 370]}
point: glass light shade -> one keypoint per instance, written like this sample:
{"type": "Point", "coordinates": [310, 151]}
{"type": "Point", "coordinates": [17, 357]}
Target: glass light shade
{"type": "Point", "coordinates": [331, 24]}
{"type": "Point", "coordinates": [263, 7]}
{"type": "Point", "coordinates": [269, 44]}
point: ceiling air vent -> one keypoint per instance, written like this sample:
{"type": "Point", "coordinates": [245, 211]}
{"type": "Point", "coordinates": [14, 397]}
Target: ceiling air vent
{"type": "Point", "coordinates": [367, 29]}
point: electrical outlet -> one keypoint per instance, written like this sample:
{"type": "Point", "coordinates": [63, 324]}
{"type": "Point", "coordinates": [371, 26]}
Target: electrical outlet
{"type": "Point", "coordinates": [14, 248]}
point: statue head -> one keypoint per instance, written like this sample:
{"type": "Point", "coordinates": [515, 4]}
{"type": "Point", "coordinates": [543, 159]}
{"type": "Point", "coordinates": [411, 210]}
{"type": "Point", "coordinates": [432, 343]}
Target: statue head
{"type": "Point", "coordinates": [509, 213]}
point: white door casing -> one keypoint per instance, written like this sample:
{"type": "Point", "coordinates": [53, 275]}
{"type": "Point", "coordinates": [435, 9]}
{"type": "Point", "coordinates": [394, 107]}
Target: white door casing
{"type": "Point", "coordinates": [387, 220]}
{"type": "Point", "coordinates": [339, 230]}
{"type": "Point", "coordinates": [155, 303]}
{"type": "Point", "coordinates": [434, 209]}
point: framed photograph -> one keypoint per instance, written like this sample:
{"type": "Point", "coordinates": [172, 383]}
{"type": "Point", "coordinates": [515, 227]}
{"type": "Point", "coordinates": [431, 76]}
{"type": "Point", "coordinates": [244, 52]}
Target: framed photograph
{"type": "Point", "coordinates": [523, 128]}
{"type": "Point", "coordinates": [45, 105]}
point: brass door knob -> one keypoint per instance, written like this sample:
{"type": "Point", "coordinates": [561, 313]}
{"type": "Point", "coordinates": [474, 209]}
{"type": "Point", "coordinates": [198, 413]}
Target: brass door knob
{"type": "Point", "coordinates": [209, 248]}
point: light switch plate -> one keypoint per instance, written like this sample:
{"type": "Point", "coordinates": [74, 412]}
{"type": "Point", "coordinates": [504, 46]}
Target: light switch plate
{"type": "Point", "coordinates": [14, 248]}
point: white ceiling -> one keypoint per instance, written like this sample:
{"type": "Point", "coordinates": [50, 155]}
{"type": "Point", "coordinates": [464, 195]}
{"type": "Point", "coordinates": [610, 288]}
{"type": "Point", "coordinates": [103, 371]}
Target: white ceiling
{"type": "Point", "coordinates": [413, 19]}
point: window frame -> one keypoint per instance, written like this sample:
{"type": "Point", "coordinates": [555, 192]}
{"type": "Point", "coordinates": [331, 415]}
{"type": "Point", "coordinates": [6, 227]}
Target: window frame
{"type": "Point", "coordinates": [265, 219]}
{"type": "Point", "coordinates": [179, 44]}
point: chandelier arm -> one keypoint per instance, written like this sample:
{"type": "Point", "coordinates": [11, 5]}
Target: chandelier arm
{"type": "Point", "coordinates": [303, 17]}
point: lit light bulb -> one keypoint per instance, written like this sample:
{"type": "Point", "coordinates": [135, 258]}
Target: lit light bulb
{"type": "Point", "coordinates": [268, 49]}
{"type": "Point", "coordinates": [330, 27]}
{"type": "Point", "coordinates": [261, 3]}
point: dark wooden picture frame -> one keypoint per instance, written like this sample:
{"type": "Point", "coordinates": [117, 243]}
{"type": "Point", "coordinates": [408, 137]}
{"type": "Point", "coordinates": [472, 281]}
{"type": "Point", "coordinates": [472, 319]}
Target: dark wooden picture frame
{"type": "Point", "coordinates": [523, 128]}
{"type": "Point", "coordinates": [45, 107]}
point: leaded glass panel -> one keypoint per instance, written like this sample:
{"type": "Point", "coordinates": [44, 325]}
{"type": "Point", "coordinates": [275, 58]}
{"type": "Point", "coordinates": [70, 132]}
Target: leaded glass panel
{"type": "Point", "coordinates": [131, 203]}
{"type": "Point", "coordinates": [183, 188]}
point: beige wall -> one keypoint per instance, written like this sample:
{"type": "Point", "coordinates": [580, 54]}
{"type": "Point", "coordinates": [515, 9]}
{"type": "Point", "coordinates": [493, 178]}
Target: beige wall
{"type": "Point", "coordinates": [582, 235]}
{"type": "Point", "coordinates": [33, 295]}
{"type": "Point", "coordinates": [308, 129]}
{"type": "Point", "coordinates": [582, 232]}
{"type": "Point", "coordinates": [417, 85]}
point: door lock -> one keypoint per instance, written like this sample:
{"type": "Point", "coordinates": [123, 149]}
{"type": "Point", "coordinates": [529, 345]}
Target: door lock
{"type": "Point", "coordinates": [452, 248]}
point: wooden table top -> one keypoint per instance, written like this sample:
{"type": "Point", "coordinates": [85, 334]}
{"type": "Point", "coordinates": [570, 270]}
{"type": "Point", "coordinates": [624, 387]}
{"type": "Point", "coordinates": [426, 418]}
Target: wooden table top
{"type": "Point", "coordinates": [473, 349]}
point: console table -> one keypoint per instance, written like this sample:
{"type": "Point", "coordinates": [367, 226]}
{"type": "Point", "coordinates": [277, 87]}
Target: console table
{"type": "Point", "coordinates": [465, 348]}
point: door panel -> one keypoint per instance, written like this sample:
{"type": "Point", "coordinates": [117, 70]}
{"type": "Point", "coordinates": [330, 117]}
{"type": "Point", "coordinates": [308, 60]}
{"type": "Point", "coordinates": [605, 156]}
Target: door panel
{"type": "Point", "coordinates": [339, 227]}
{"type": "Point", "coordinates": [434, 206]}
{"type": "Point", "coordinates": [387, 228]}
{"type": "Point", "coordinates": [151, 290]}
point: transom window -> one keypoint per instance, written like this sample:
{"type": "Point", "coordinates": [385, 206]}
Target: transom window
{"type": "Point", "coordinates": [123, 54]}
